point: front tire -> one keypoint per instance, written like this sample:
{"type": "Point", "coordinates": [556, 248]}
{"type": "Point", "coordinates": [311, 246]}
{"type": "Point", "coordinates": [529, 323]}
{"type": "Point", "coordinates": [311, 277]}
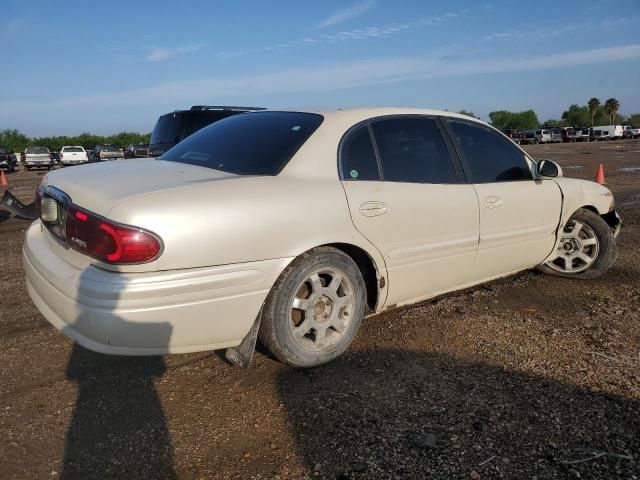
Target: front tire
{"type": "Point", "coordinates": [587, 249]}
{"type": "Point", "coordinates": [314, 310]}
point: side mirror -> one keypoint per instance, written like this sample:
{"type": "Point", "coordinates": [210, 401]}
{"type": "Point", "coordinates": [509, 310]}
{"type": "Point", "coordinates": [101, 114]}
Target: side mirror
{"type": "Point", "coordinates": [549, 168]}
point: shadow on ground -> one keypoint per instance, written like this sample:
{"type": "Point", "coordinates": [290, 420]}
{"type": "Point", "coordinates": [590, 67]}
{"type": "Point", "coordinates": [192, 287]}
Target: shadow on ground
{"type": "Point", "coordinates": [118, 428]}
{"type": "Point", "coordinates": [401, 414]}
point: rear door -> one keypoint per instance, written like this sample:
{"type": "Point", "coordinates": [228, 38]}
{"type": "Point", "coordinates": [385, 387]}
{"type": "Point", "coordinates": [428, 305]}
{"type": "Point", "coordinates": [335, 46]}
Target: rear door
{"type": "Point", "coordinates": [519, 215]}
{"type": "Point", "coordinates": [406, 196]}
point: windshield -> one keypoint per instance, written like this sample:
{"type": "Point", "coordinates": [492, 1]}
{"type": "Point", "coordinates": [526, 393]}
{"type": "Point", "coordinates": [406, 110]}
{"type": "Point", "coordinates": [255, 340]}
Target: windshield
{"type": "Point", "coordinates": [73, 149]}
{"type": "Point", "coordinates": [247, 144]}
{"type": "Point", "coordinates": [37, 150]}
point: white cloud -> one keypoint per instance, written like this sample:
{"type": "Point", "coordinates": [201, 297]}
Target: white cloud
{"type": "Point", "coordinates": [158, 54]}
{"type": "Point", "coordinates": [312, 79]}
{"type": "Point", "coordinates": [346, 14]}
{"type": "Point", "coordinates": [364, 33]}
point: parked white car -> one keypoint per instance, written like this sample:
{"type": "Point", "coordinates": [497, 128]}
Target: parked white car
{"type": "Point", "coordinates": [37, 157]}
{"type": "Point", "coordinates": [75, 155]}
{"type": "Point", "coordinates": [544, 136]}
{"type": "Point", "coordinates": [293, 226]}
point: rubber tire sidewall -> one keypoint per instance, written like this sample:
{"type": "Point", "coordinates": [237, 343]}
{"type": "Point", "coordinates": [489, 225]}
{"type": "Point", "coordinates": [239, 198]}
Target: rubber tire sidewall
{"type": "Point", "coordinates": [607, 254]}
{"type": "Point", "coordinates": [275, 333]}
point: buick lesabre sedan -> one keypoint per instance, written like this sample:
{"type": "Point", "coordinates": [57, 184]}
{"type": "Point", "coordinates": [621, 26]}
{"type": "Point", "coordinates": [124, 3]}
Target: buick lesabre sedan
{"type": "Point", "coordinates": [293, 226]}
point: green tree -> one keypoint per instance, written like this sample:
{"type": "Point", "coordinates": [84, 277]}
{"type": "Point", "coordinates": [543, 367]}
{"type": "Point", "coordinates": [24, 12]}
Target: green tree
{"type": "Point", "coordinates": [469, 114]}
{"type": "Point", "coordinates": [503, 119]}
{"type": "Point", "coordinates": [13, 140]}
{"type": "Point", "coordinates": [576, 116]}
{"type": "Point", "coordinates": [552, 122]}
{"type": "Point", "coordinates": [634, 120]}
{"type": "Point", "coordinates": [593, 105]}
{"type": "Point", "coordinates": [611, 107]}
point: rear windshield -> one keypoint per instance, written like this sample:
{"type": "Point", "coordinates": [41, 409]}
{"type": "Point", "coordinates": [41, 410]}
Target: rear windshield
{"type": "Point", "coordinates": [73, 149]}
{"type": "Point", "coordinates": [167, 129]}
{"type": "Point", "coordinates": [37, 150]}
{"type": "Point", "coordinates": [174, 127]}
{"type": "Point", "coordinates": [108, 148]}
{"type": "Point", "coordinates": [258, 143]}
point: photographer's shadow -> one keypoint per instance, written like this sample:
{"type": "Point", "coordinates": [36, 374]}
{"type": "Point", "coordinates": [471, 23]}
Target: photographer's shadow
{"type": "Point", "coordinates": [118, 428]}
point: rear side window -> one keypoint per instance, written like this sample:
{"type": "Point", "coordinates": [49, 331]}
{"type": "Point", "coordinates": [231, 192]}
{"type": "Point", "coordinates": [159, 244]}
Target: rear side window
{"type": "Point", "coordinates": [488, 157]}
{"type": "Point", "coordinates": [247, 144]}
{"type": "Point", "coordinates": [358, 158]}
{"type": "Point", "coordinates": [413, 150]}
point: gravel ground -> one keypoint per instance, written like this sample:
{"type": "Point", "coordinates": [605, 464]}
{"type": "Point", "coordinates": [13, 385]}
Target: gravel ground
{"type": "Point", "coordinates": [527, 377]}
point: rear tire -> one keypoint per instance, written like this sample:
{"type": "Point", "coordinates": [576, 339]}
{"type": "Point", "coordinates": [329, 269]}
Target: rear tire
{"type": "Point", "coordinates": [315, 308]}
{"type": "Point", "coordinates": [588, 249]}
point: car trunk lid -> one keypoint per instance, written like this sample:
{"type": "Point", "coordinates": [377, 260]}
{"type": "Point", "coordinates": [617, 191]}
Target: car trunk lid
{"type": "Point", "coordinates": [98, 187]}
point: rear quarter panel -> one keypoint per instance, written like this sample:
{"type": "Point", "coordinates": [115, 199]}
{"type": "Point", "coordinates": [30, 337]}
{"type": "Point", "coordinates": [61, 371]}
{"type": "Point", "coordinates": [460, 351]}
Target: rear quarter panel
{"type": "Point", "coordinates": [243, 219]}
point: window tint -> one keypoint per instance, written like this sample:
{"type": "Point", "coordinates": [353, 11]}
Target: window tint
{"type": "Point", "coordinates": [357, 158]}
{"type": "Point", "coordinates": [413, 150]}
{"type": "Point", "coordinates": [73, 149]}
{"type": "Point", "coordinates": [488, 156]}
{"type": "Point", "coordinates": [247, 144]}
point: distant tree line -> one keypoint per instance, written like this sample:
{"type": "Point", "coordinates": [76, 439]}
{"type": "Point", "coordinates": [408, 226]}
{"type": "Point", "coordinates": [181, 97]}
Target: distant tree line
{"type": "Point", "coordinates": [17, 141]}
{"type": "Point", "coordinates": [593, 113]}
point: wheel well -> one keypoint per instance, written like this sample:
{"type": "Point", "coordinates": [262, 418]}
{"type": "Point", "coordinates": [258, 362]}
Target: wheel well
{"type": "Point", "coordinates": [610, 217]}
{"type": "Point", "coordinates": [367, 268]}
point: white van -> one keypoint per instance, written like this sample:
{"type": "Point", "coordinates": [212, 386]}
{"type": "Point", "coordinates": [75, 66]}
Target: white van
{"type": "Point", "coordinates": [544, 136]}
{"type": "Point", "coordinates": [614, 131]}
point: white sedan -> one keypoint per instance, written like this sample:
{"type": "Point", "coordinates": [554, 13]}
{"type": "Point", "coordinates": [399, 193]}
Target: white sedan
{"type": "Point", "coordinates": [293, 226]}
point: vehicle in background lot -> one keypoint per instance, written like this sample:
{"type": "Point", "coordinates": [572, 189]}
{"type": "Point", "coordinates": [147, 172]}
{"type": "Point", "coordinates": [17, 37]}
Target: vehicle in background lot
{"type": "Point", "coordinates": [174, 127]}
{"type": "Point", "coordinates": [556, 135]}
{"type": "Point", "coordinates": [107, 151]}
{"type": "Point", "coordinates": [73, 155]}
{"type": "Point", "coordinates": [37, 157]}
{"type": "Point", "coordinates": [612, 131]}
{"type": "Point", "coordinates": [630, 132]}
{"type": "Point", "coordinates": [599, 135]}
{"type": "Point", "coordinates": [137, 150]}
{"type": "Point", "coordinates": [583, 134]}
{"type": "Point", "coordinates": [55, 156]}
{"type": "Point", "coordinates": [90, 155]}
{"type": "Point", "coordinates": [528, 138]}
{"type": "Point", "coordinates": [195, 257]}
{"type": "Point", "coordinates": [543, 136]}
{"type": "Point", "coordinates": [568, 135]}
{"type": "Point", "coordinates": [7, 160]}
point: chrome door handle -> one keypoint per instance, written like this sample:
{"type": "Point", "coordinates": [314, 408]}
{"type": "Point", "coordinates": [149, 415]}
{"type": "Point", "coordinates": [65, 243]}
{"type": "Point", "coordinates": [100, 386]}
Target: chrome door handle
{"type": "Point", "coordinates": [492, 201]}
{"type": "Point", "coordinates": [373, 209]}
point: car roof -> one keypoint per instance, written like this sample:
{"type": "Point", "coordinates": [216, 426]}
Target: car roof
{"type": "Point", "coordinates": [360, 114]}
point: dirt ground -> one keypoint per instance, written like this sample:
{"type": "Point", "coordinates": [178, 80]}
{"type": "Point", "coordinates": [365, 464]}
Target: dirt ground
{"type": "Point", "coordinates": [528, 377]}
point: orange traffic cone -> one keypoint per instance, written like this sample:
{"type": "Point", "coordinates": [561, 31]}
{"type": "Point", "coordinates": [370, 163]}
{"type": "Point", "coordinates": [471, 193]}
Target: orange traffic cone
{"type": "Point", "coordinates": [600, 175]}
{"type": "Point", "coordinates": [3, 178]}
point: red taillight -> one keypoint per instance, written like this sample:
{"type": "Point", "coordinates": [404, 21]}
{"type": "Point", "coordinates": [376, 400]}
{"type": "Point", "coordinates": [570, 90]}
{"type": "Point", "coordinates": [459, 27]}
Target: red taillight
{"type": "Point", "coordinates": [107, 241]}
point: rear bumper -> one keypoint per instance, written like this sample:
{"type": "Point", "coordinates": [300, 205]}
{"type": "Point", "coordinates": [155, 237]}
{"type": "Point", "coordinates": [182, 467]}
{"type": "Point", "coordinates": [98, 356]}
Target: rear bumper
{"type": "Point", "coordinates": [145, 313]}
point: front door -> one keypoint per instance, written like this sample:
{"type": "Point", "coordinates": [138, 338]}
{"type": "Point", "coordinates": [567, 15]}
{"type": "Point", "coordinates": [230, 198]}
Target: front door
{"type": "Point", "coordinates": [407, 197]}
{"type": "Point", "coordinates": [519, 214]}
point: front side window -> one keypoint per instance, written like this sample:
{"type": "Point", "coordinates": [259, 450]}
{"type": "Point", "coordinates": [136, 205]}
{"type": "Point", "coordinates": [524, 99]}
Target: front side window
{"type": "Point", "coordinates": [358, 158]}
{"type": "Point", "coordinates": [488, 157]}
{"type": "Point", "coordinates": [413, 150]}
{"type": "Point", "coordinates": [258, 143]}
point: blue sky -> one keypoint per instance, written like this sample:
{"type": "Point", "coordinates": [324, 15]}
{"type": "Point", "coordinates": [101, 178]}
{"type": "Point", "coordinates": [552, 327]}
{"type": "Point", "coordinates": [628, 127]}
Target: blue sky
{"type": "Point", "coordinates": [104, 67]}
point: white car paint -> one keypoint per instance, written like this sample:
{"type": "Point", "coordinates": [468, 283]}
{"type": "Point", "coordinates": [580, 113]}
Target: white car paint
{"type": "Point", "coordinates": [73, 155]}
{"type": "Point", "coordinates": [228, 237]}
